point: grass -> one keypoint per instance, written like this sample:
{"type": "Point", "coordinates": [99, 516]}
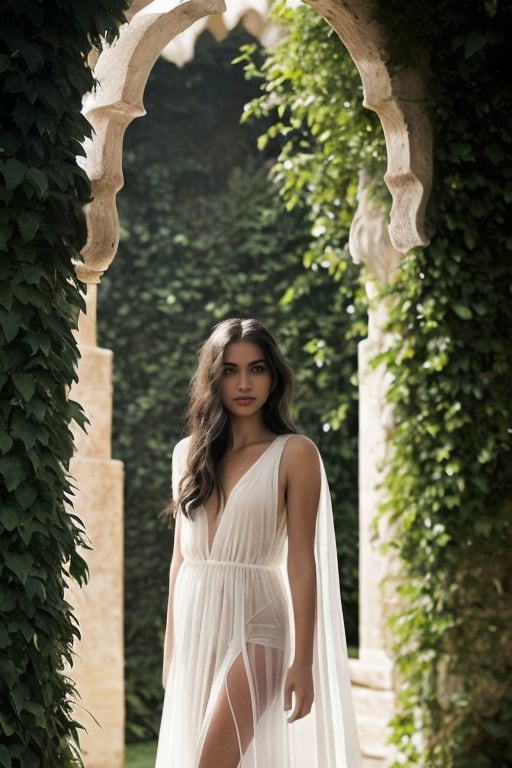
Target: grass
{"type": "Point", "coordinates": [140, 755]}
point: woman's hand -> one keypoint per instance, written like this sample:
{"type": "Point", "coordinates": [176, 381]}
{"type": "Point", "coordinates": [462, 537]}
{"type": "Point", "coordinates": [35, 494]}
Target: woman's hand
{"type": "Point", "coordinates": [299, 685]}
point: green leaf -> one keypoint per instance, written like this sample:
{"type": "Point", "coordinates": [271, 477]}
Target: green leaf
{"type": "Point", "coordinates": [30, 295]}
{"type": "Point", "coordinates": [38, 342]}
{"type": "Point", "coordinates": [24, 383]}
{"type": "Point", "coordinates": [9, 517]}
{"type": "Point", "coordinates": [5, 63]}
{"type": "Point", "coordinates": [39, 179]}
{"type": "Point", "coordinates": [25, 495]}
{"type": "Point", "coordinates": [38, 711]}
{"type": "Point", "coordinates": [4, 637]}
{"type": "Point", "coordinates": [12, 470]}
{"type": "Point", "coordinates": [5, 756]}
{"type": "Point", "coordinates": [9, 323]}
{"type": "Point", "coordinates": [6, 441]}
{"type": "Point", "coordinates": [463, 312]}
{"type": "Point", "coordinates": [8, 675]}
{"type": "Point", "coordinates": [13, 172]}
{"type": "Point", "coordinates": [32, 55]}
{"type": "Point", "coordinates": [78, 569]}
{"type": "Point", "coordinates": [19, 564]}
{"type": "Point", "coordinates": [24, 115]}
{"type": "Point", "coordinates": [28, 224]}
{"type": "Point", "coordinates": [7, 603]}
{"type": "Point", "coordinates": [473, 43]}
{"type": "Point", "coordinates": [5, 295]}
{"type": "Point", "coordinates": [35, 589]}
{"type": "Point", "coordinates": [6, 230]}
{"type": "Point", "coordinates": [37, 408]}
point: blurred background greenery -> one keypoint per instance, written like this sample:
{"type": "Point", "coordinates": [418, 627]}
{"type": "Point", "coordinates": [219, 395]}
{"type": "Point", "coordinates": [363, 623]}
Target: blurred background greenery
{"type": "Point", "coordinates": [141, 755]}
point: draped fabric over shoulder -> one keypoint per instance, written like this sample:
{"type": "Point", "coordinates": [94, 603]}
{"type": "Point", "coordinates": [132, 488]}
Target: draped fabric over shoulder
{"type": "Point", "coordinates": [232, 609]}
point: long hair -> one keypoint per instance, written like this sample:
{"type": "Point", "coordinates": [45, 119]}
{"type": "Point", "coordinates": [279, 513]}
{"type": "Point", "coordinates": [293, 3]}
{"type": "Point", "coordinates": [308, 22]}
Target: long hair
{"type": "Point", "coordinates": [208, 419]}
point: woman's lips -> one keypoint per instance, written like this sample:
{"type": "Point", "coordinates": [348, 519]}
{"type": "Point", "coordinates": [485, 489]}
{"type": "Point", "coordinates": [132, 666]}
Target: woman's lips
{"type": "Point", "coordinates": [244, 400]}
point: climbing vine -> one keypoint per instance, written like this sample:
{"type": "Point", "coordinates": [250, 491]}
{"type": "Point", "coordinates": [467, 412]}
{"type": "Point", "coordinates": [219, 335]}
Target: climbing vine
{"type": "Point", "coordinates": [449, 471]}
{"type": "Point", "coordinates": [450, 480]}
{"type": "Point", "coordinates": [43, 76]}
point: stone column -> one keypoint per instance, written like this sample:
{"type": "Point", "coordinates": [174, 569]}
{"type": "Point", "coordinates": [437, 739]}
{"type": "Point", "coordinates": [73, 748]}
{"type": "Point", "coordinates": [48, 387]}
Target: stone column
{"type": "Point", "coordinates": [99, 660]}
{"type": "Point", "coordinates": [372, 673]}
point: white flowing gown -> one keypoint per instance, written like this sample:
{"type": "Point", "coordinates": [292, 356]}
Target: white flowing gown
{"type": "Point", "coordinates": [232, 603]}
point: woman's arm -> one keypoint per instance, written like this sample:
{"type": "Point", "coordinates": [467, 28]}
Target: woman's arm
{"type": "Point", "coordinates": [302, 467]}
{"type": "Point", "coordinates": [176, 561]}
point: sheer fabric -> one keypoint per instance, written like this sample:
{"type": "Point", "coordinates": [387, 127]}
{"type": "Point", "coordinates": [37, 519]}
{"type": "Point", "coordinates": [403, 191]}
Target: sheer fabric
{"type": "Point", "coordinates": [232, 618]}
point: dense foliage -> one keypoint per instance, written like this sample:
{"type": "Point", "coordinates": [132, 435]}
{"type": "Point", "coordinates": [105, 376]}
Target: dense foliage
{"type": "Point", "coordinates": [43, 76]}
{"type": "Point", "coordinates": [205, 236]}
{"type": "Point", "coordinates": [450, 482]}
{"type": "Point", "coordinates": [449, 475]}
{"type": "Point", "coordinates": [311, 91]}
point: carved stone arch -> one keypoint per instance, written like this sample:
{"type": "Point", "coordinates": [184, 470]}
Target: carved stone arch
{"type": "Point", "coordinates": [122, 71]}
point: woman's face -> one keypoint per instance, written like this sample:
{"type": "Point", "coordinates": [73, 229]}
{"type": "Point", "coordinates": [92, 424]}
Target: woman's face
{"type": "Point", "coordinates": [246, 378]}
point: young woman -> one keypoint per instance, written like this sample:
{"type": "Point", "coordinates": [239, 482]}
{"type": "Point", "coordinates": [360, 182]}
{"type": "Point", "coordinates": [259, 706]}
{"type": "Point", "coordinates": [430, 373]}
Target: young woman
{"type": "Point", "coordinates": [255, 660]}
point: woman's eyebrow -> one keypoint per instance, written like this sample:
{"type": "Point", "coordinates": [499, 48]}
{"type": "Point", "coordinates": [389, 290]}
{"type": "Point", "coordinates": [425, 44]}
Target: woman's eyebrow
{"type": "Point", "coordinates": [253, 362]}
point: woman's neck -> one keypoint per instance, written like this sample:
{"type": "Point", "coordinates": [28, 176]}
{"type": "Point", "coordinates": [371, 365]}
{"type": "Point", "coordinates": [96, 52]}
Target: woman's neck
{"type": "Point", "coordinates": [247, 431]}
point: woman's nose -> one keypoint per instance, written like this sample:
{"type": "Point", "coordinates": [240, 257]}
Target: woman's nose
{"type": "Point", "coordinates": [244, 381]}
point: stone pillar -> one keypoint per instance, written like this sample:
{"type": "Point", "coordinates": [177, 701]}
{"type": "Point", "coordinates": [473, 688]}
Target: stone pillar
{"type": "Point", "coordinates": [372, 673]}
{"type": "Point", "coordinates": [99, 660]}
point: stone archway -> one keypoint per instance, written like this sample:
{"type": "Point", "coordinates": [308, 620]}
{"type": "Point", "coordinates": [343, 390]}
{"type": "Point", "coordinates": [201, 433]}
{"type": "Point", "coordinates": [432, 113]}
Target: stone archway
{"type": "Point", "coordinates": [122, 72]}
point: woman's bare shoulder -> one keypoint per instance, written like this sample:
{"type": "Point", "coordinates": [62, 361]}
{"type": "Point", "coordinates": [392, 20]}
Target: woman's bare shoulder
{"type": "Point", "coordinates": [300, 450]}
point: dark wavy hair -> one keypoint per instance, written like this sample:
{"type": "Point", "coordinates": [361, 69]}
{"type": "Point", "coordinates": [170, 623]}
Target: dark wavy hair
{"type": "Point", "coordinates": [208, 419]}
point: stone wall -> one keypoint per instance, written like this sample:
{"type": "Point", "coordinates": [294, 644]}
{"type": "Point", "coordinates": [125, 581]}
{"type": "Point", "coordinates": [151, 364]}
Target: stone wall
{"type": "Point", "coordinates": [99, 664]}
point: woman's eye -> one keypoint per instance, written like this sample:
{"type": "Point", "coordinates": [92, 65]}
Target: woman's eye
{"type": "Point", "coordinates": [259, 369]}
{"type": "Point", "coordinates": [229, 371]}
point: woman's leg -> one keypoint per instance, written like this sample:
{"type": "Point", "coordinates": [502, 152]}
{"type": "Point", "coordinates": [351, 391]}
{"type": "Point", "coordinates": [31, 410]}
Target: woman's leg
{"type": "Point", "coordinates": [247, 692]}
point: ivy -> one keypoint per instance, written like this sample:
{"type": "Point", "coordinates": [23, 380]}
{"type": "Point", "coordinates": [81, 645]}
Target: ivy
{"type": "Point", "coordinates": [43, 76]}
{"type": "Point", "coordinates": [448, 480]}
{"type": "Point", "coordinates": [311, 90]}
{"type": "Point", "coordinates": [450, 483]}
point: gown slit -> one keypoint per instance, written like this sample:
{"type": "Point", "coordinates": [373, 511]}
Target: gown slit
{"type": "Point", "coordinates": [250, 685]}
{"type": "Point", "coordinates": [229, 728]}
